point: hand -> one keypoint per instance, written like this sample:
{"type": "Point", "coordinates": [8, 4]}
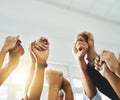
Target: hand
{"type": "Point", "coordinates": [54, 78]}
{"type": "Point", "coordinates": [15, 53]}
{"type": "Point", "coordinates": [10, 43]}
{"type": "Point", "coordinates": [80, 47]}
{"type": "Point", "coordinates": [40, 50]}
{"type": "Point", "coordinates": [88, 37]}
{"type": "Point", "coordinates": [42, 43]}
{"type": "Point", "coordinates": [111, 61]}
{"type": "Point", "coordinates": [101, 66]}
{"type": "Point", "coordinates": [91, 54]}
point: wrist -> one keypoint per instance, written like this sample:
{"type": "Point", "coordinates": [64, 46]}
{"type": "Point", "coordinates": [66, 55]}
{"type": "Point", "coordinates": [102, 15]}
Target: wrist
{"type": "Point", "coordinates": [82, 65]}
{"type": "Point", "coordinates": [13, 63]}
{"type": "Point", "coordinates": [4, 51]}
{"type": "Point", "coordinates": [107, 73]}
{"type": "Point", "coordinates": [14, 57]}
{"type": "Point", "coordinates": [80, 60]}
{"type": "Point", "coordinates": [42, 61]}
{"type": "Point", "coordinates": [91, 55]}
{"type": "Point", "coordinates": [91, 61]}
{"type": "Point", "coordinates": [42, 65]}
{"type": "Point", "coordinates": [53, 87]}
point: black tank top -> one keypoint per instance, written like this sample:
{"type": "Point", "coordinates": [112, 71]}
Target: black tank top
{"type": "Point", "coordinates": [102, 84]}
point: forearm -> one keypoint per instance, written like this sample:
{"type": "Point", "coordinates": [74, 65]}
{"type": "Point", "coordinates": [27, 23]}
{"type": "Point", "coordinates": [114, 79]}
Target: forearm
{"type": "Point", "coordinates": [118, 71]}
{"type": "Point", "coordinates": [114, 81]}
{"type": "Point", "coordinates": [7, 70]}
{"type": "Point", "coordinates": [68, 92]}
{"type": "Point", "coordinates": [53, 93]}
{"type": "Point", "coordinates": [30, 77]}
{"type": "Point", "coordinates": [37, 84]}
{"type": "Point", "coordinates": [91, 55]}
{"type": "Point", "coordinates": [88, 85]}
{"type": "Point", "coordinates": [3, 52]}
{"type": "Point", "coordinates": [4, 73]}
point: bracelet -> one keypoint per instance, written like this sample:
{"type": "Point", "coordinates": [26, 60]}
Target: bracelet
{"type": "Point", "coordinates": [91, 60]}
{"type": "Point", "coordinates": [42, 65]}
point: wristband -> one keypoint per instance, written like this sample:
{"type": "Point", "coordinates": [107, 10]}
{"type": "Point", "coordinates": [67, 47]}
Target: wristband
{"type": "Point", "coordinates": [42, 65]}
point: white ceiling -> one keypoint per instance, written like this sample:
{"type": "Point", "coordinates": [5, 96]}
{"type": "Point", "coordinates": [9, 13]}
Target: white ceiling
{"type": "Point", "coordinates": [101, 9]}
{"type": "Point", "coordinates": [60, 21]}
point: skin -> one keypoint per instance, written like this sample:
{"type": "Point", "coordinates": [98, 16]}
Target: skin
{"type": "Point", "coordinates": [9, 44]}
{"type": "Point", "coordinates": [39, 51]}
{"type": "Point", "coordinates": [54, 79]}
{"type": "Point", "coordinates": [106, 70]}
{"type": "Point", "coordinates": [66, 86]}
{"type": "Point", "coordinates": [91, 53]}
{"type": "Point", "coordinates": [107, 59]}
{"type": "Point", "coordinates": [111, 61]}
{"type": "Point", "coordinates": [80, 49]}
{"type": "Point", "coordinates": [15, 51]}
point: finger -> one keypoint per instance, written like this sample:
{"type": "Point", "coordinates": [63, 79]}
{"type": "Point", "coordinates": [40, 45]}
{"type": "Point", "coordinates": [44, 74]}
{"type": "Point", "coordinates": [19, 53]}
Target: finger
{"type": "Point", "coordinates": [74, 50]}
{"type": "Point", "coordinates": [32, 45]}
{"type": "Point", "coordinates": [97, 61]}
{"type": "Point", "coordinates": [104, 57]}
{"type": "Point", "coordinates": [81, 33]}
{"type": "Point", "coordinates": [42, 45]}
{"type": "Point", "coordinates": [97, 65]}
{"type": "Point", "coordinates": [17, 37]}
{"type": "Point", "coordinates": [104, 51]}
{"type": "Point", "coordinates": [19, 50]}
{"type": "Point", "coordinates": [79, 46]}
{"type": "Point", "coordinates": [82, 45]}
{"type": "Point", "coordinates": [84, 35]}
{"type": "Point", "coordinates": [37, 46]}
{"type": "Point", "coordinates": [80, 38]}
{"type": "Point", "coordinates": [18, 42]}
{"type": "Point", "coordinates": [98, 68]}
{"type": "Point", "coordinates": [97, 58]}
{"type": "Point", "coordinates": [44, 40]}
{"type": "Point", "coordinates": [35, 51]}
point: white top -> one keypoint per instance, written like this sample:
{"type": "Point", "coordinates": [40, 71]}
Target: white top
{"type": "Point", "coordinates": [96, 97]}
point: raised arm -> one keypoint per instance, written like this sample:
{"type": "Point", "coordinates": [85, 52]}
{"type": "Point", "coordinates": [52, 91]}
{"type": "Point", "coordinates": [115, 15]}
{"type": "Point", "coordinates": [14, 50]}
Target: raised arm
{"type": "Point", "coordinates": [80, 49]}
{"type": "Point", "coordinates": [91, 54]}
{"type": "Point", "coordinates": [30, 74]}
{"type": "Point", "coordinates": [14, 57]}
{"type": "Point", "coordinates": [40, 49]}
{"type": "Point", "coordinates": [54, 79]}
{"type": "Point", "coordinates": [111, 61]}
{"type": "Point", "coordinates": [8, 45]}
{"type": "Point", "coordinates": [107, 65]}
{"type": "Point", "coordinates": [66, 86]}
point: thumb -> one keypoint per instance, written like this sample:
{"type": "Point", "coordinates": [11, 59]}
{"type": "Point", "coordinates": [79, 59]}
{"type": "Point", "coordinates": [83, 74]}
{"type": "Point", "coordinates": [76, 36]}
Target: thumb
{"type": "Point", "coordinates": [17, 37]}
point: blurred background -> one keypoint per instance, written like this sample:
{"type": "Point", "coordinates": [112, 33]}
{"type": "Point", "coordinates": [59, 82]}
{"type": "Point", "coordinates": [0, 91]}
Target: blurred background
{"type": "Point", "coordinates": [60, 21]}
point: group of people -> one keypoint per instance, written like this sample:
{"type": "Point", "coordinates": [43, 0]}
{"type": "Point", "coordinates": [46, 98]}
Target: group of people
{"type": "Point", "coordinates": [101, 72]}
